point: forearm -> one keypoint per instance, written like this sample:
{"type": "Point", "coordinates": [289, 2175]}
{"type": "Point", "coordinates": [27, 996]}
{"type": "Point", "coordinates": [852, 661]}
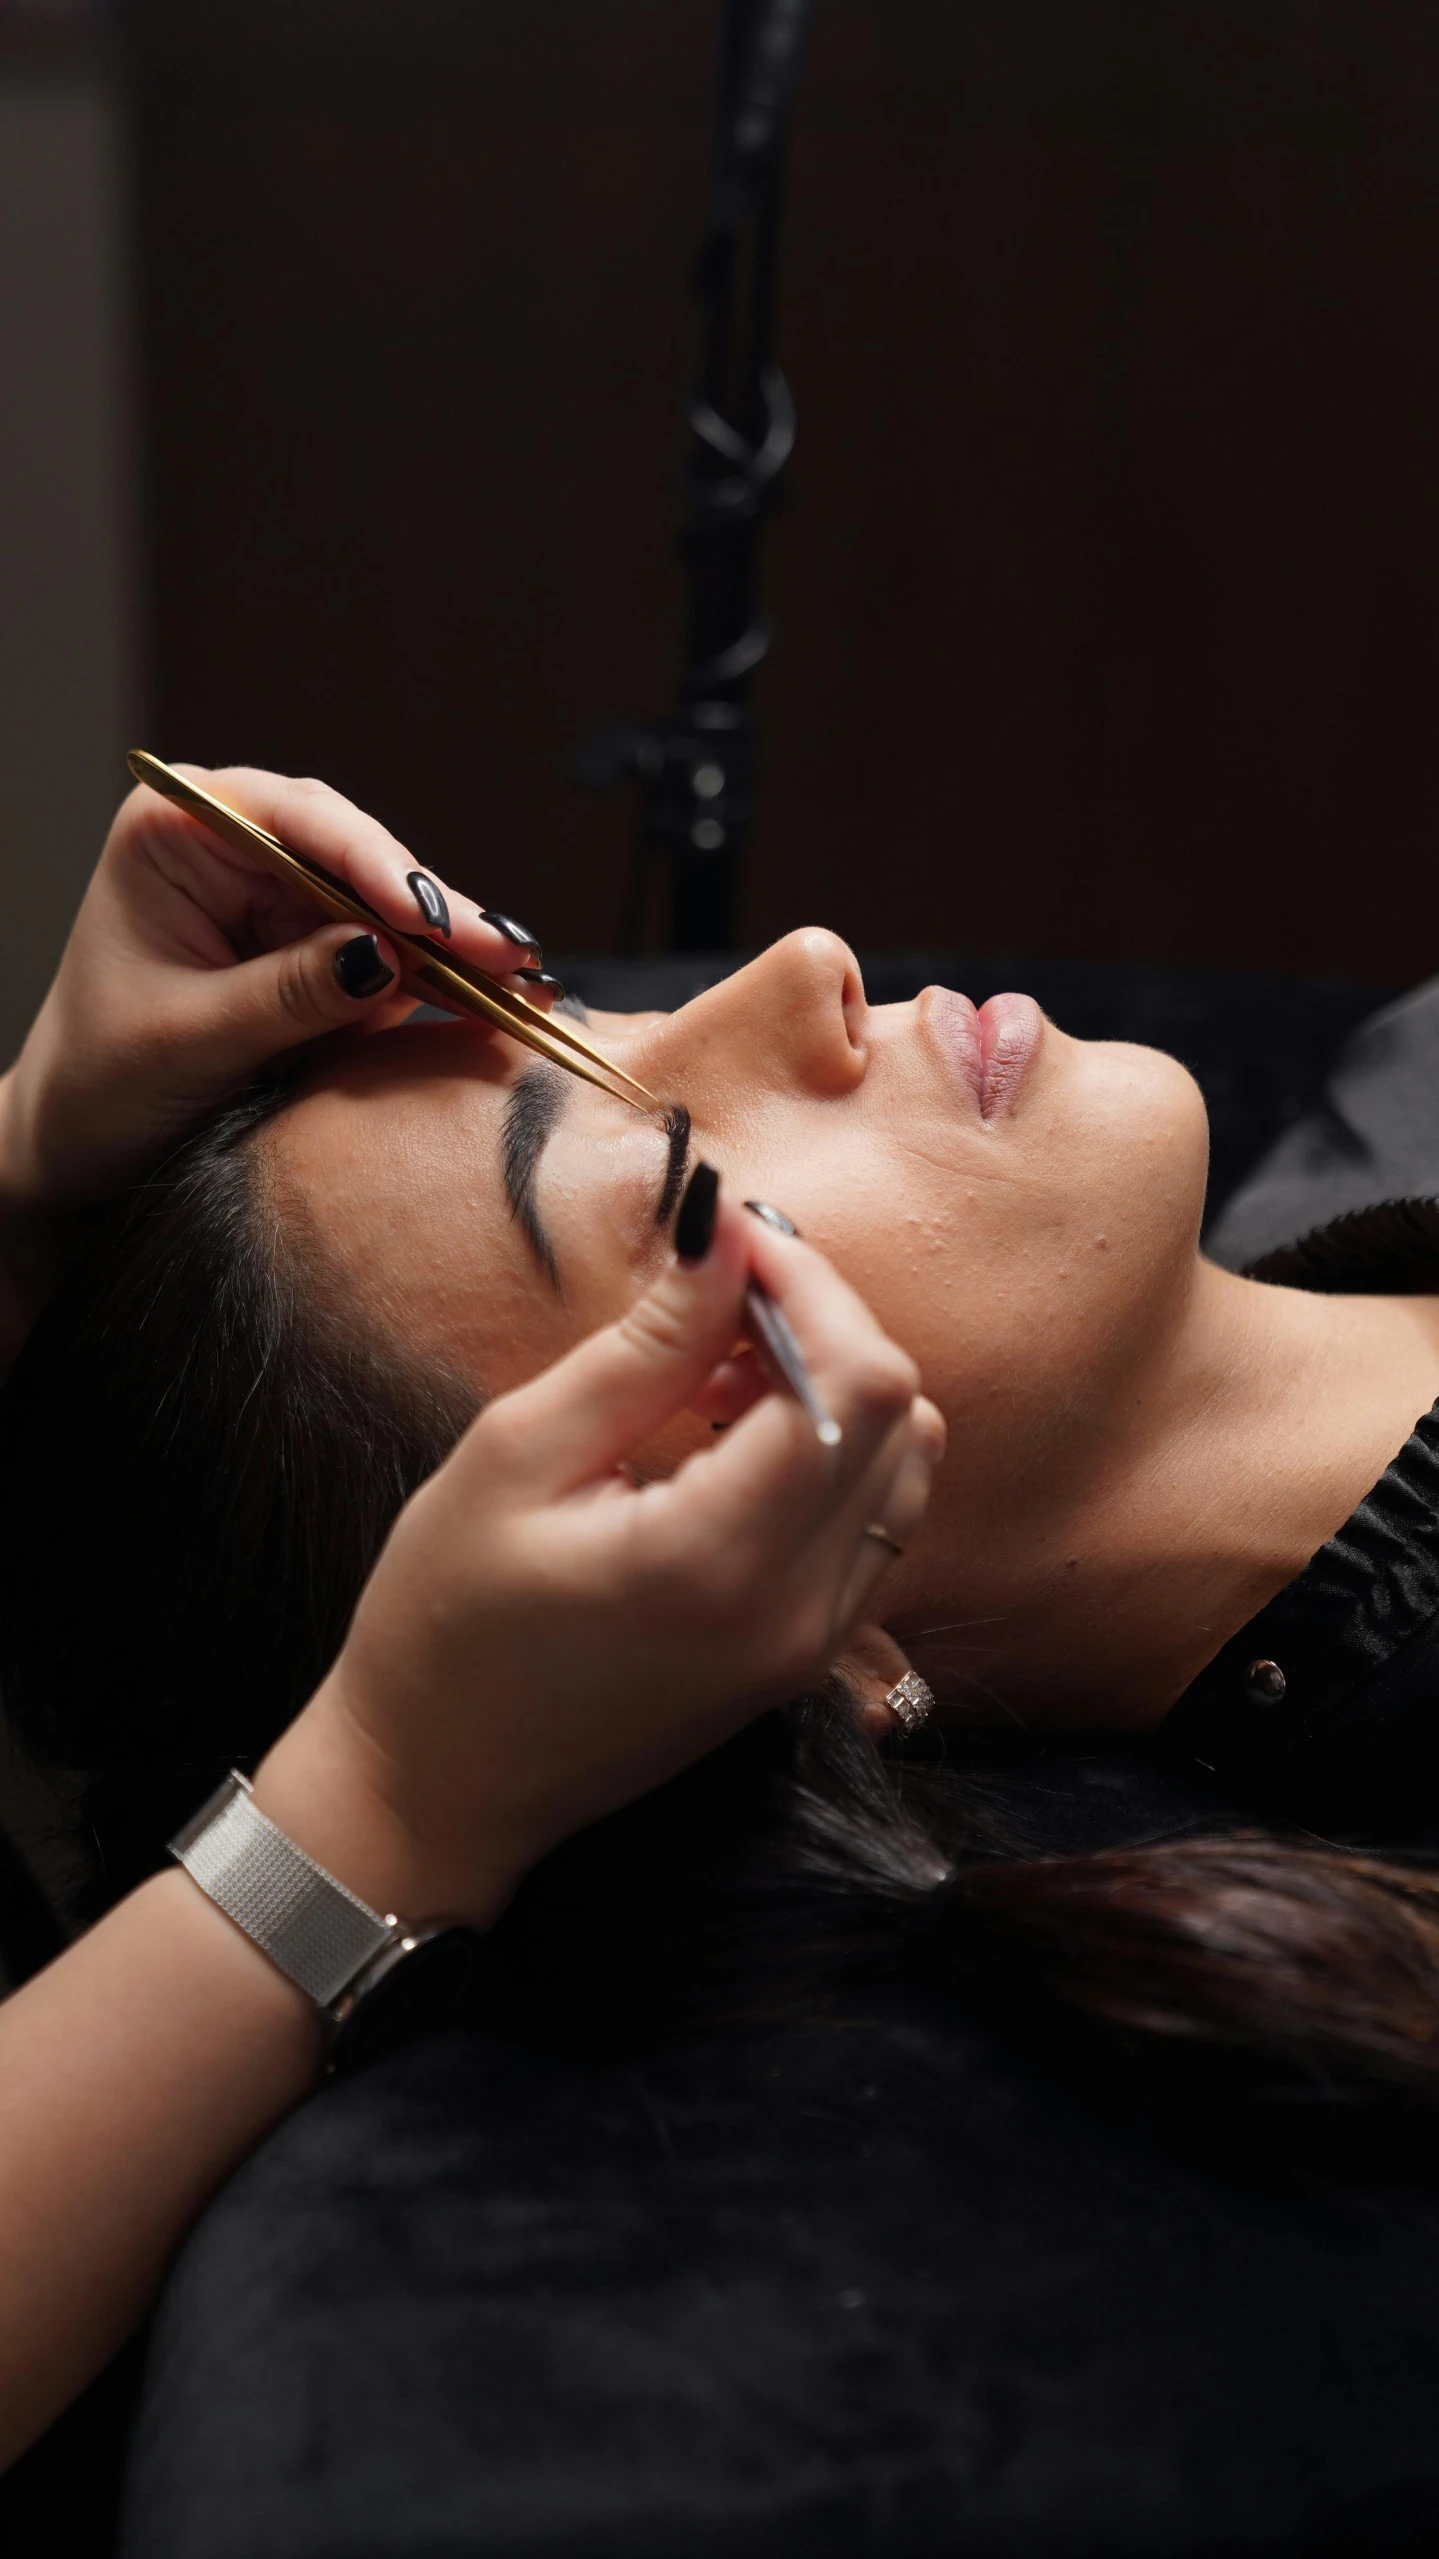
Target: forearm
{"type": "Point", "coordinates": [31, 1235]}
{"type": "Point", "coordinates": [135, 2074]}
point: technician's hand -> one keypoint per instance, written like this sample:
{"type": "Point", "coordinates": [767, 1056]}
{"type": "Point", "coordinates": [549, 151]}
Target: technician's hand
{"type": "Point", "coordinates": [545, 1638]}
{"type": "Point", "coordinates": [189, 966]}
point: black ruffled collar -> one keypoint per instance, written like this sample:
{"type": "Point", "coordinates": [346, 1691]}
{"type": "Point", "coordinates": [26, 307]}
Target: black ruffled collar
{"type": "Point", "coordinates": [1388, 1250]}
{"type": "Point", "coordinates": [1325, 1707]}
{"type": "Point", "coordinates": [1328, 1700]}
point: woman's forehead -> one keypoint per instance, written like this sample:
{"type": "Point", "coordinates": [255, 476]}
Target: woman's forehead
{"type": "Point", "coordinates": [393, 1159]}
{"type": "Point", "coordinates": [394, 1145]}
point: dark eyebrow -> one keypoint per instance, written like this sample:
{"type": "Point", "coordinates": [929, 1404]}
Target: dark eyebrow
{"type": "Point", "coordinates": [531, 1115]}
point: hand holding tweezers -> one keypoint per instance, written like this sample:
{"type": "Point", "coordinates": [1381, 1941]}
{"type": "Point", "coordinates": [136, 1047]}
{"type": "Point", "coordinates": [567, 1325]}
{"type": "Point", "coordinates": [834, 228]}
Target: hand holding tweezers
{"type": "Point", "coordinates": [442, 974]}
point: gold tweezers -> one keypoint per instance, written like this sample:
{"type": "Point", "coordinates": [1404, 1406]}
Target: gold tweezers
{"type": "Point", "coordinates": [457, 984]}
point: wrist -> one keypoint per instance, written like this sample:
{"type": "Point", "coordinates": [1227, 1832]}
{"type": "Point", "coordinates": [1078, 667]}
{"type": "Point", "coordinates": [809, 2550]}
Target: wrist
{"type": "Point", "coordinates": [325, 1787]}
{"type": "Point", "coordinates": [214, 1970]}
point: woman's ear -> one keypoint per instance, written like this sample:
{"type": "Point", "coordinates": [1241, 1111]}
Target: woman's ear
{"type": "Point", "coordinates": [870, 1666]}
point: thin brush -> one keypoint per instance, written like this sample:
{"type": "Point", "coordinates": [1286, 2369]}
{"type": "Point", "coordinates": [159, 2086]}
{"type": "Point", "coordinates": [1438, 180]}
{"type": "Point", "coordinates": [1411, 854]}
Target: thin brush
{"type": "Point", "coordinates": [773, 1328]}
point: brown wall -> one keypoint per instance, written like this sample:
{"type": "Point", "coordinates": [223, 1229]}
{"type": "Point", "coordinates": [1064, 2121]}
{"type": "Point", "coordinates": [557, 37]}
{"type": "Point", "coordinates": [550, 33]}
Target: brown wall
{"type": "Point", "coordinates": [68, 677]}
{"type": "Point", "coordinates": [1109, 603]}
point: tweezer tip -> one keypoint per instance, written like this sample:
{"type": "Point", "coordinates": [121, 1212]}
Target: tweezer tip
{"type": "Point", "coordinates": [829, 1433]}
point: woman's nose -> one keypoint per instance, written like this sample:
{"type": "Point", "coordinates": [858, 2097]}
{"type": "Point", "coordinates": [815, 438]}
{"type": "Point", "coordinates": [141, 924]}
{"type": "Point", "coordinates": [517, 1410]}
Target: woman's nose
{"type": "Point", "coordinates": [793, 1018]}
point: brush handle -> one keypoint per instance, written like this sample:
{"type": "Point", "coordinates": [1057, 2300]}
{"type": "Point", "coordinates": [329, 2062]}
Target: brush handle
{"type": "Point", "coordinates": [772, 1327]}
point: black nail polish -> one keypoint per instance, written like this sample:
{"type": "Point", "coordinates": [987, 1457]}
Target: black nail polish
{"type": "Point", "coordinates": [695, 1224]}
{"type": "Point", "coordinates": [359, 969]}
{"type": "Point", "coordinates": [512, 931]}
{"type": "Point", "coordinates": [430, 900]}
{"type": "Point", "coordinates": [774, 1217]}
{"type": "Point", "coordinates": [540, 977]}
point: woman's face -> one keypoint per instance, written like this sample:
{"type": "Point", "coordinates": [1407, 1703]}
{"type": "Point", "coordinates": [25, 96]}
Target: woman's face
{"type": "Point", "coordinates": [1020, 1209]}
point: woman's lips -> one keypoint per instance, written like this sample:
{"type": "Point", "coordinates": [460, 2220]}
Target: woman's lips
{"type": "Point", "coordinates": [991, 1048]}
{"type": "Point", "coordinates": [1010, 1029]}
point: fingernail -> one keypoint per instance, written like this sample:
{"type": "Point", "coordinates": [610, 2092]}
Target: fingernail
{"type": "Point", "coordinates": [695, 1224]}
{"type": "Point", "coordinates": [512, 931]}
{"type": "Point", "coordinates": [359, 969]}
{"type": "Point", "coordinates": [774, 1217]}
{"type": "Point", "coordinates": [430, 900]}
{"type": "Point", "coordinates": [540, 977]}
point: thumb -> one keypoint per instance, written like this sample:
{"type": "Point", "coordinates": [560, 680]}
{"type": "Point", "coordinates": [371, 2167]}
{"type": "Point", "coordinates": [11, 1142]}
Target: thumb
{"type": "Point", "coordinates": [578, 1420]}
{"type": "Point", "coordinates": [265, 1005]}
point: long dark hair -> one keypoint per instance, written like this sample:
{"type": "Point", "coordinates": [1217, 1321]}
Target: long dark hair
{"type": "Point", "coordinates": [200, 1456]}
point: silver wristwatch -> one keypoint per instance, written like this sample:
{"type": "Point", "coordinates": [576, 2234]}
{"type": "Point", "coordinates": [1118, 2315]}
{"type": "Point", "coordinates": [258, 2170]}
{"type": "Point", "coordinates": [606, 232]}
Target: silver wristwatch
{"type": "Point", "coordinates": [322, 1935]}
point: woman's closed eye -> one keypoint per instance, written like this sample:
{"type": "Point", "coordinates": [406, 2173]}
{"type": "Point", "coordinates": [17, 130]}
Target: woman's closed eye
{"type": "Point", "coordinates": [537, 1102]}
{"type": "Point", "coordinates": [677, 1130]}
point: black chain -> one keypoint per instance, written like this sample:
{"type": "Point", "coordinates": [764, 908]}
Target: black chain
{"type": "Point", "coordinates": [697, 770]}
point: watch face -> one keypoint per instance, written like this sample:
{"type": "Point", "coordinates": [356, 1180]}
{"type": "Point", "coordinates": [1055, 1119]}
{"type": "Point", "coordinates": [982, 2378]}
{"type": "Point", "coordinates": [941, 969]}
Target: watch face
{"type": "Point", "coordinates": [426, 1989]}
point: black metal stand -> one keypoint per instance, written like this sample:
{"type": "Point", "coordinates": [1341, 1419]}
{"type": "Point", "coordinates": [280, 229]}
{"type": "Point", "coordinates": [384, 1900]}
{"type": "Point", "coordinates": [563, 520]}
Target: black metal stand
{"type": "Point", "coordinates": [698, 769]}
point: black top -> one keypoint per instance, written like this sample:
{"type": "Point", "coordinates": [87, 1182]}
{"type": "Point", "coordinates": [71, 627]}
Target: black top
{"type": "Point", "coordinates": [901, 2286]}
{"type": "Point", "coordinates": [1347, 1197]}
{"type": "Point", "coordinates": [1322, 1708]}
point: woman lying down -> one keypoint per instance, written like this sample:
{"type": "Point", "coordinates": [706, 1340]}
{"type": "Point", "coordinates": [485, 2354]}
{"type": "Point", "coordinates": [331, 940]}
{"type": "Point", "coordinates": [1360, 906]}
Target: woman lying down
{"type": "Point", "coordinates": [1139, 1494]}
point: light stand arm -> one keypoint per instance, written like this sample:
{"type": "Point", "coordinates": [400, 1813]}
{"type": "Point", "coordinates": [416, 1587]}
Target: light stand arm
{"type": "Point", "coordinates": [697, 770]}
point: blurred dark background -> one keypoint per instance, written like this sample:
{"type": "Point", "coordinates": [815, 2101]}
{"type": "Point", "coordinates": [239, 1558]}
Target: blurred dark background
{"type": "Point", "coordinates": [1107, 608]}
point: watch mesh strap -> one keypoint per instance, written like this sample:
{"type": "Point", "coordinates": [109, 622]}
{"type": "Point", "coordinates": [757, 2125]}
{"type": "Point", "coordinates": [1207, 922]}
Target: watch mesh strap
{"type": "Point", "coordinates": [306, 1922]}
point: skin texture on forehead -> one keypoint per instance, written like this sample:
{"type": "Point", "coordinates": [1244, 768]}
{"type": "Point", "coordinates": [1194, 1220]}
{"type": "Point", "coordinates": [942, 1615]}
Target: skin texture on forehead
{"type": "Point", "coordinates": [391, 1154]}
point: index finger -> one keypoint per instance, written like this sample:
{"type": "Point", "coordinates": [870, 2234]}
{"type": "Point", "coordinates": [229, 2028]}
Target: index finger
{"type": "Point", "coordinates": [321, 822]}
{"type": "Point", "coordinates": [771, 1479]}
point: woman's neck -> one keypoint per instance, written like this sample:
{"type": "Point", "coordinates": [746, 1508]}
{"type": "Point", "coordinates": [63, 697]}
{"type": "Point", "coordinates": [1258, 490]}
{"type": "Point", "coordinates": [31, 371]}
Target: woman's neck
{"type": "Point", "coordinates": [1260, 1426]}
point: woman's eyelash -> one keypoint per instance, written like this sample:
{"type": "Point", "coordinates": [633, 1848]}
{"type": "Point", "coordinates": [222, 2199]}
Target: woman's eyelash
{"type": "Point", "coordinates": [677, 1129]}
